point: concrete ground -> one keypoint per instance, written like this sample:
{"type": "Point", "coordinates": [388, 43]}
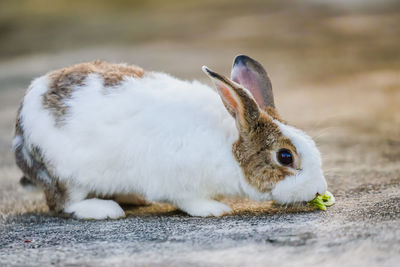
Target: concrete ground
{"type": "Point", "coordinates": [344, 91]}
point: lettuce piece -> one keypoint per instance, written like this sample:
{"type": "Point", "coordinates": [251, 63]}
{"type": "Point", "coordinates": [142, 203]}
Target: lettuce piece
{"type": "Point", "coordinates": [318, 203]}
{"type": "Point", "coordinates": [321, 202]}
{"type": "Point", "coordinates": [328, 199]}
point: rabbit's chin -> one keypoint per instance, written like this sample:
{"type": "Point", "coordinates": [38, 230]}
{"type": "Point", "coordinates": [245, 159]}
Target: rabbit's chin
{"type": "Point", "coordinates": [298, 188]}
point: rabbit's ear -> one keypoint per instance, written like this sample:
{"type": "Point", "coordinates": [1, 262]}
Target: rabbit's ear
{"type": "Point", "coordinates": [251, 75]}
{"type": "Point", "coordinates": [237, 100]}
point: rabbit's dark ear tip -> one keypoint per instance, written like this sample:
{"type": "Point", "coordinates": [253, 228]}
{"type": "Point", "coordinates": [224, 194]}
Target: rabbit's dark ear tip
{"type": "Point", "coordinates": [209, 72]}
{"type": "Point", "coordinates": [242, 59]}
{"type": "Point", "coordinates": [205, 69]}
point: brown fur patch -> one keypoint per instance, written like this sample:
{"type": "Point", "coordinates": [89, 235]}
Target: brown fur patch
{"type": "Point", "coordinates": [273, 113]}
{"type": "Point", "coordinates": [36, 171]}
{"type": "Point", "coordinates": [250, 111]}
{"type": "Point", "coordinates": [253, 150]}
{"type": "Point", "coordinates": [56, 195]}
{"type": "Point", "coordinates": [64, 81]}
{"type": "Point", "coordinates": [18, 127]}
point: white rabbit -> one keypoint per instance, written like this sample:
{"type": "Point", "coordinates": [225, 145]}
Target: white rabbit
{"type": "Point", "coordinates": [98, 130]}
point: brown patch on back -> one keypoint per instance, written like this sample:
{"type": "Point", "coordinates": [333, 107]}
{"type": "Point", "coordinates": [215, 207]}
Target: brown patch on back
{"type": "Point", "coordinates": [64, 81]}
{"type": "Point", "coordinates": [254, 151]}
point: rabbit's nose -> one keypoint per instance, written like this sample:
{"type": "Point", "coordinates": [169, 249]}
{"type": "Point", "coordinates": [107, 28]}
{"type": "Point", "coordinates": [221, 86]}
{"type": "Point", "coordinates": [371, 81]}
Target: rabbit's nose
{"type": "Point", "coordinates": [317, 194]}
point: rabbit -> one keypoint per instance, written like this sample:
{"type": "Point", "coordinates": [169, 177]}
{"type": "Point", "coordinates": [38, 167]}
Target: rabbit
{"type": "Point", "coordinates": [94, 131]}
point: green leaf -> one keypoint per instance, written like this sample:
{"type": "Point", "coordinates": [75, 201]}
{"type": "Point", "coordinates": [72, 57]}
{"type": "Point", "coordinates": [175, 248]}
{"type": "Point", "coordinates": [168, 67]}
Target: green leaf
{"type": "Point", "coordinates": [318, 203]}
{"type": "Point", "coordinates": [321, 202]}
{"type": "Point", "coordinates": [328, 199]}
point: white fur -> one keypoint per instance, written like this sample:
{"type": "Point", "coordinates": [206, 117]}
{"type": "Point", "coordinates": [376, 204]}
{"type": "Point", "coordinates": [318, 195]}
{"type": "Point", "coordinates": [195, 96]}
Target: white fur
{"type": "Point", "coordinates": [203, 207]}
{"type": "Point", "coordinates": [95, 208]}
{"type": "Point", "coordinates": [27, 157]}
{"type": "Point", "coordinates": [310, 180]}
{"type": "Point", "coordinates": [157, 136]}
{"type": "Point", "coordinates": [17, 142]}
{"type": "Point", "coordinates": [160, 137]}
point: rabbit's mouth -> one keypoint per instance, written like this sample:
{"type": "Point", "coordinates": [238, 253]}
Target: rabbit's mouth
{"type": "Point", "coordinates": [298, 189]}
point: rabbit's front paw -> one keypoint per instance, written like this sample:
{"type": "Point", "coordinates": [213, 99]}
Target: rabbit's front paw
{"type": "Point", "coordinates": [94, 208]}
{"type": "Point", "coordinates": [203, 207]}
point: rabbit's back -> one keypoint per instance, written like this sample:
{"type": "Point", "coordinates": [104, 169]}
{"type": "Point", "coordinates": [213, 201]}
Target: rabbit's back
{"type": "Point", "coordinates": [63, 82]}
{"type": "Point", "coordinates": [116, 128]}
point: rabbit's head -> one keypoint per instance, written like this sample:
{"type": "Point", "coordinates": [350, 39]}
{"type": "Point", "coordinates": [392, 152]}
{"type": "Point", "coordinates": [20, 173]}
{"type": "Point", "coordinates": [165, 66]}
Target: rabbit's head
{"type": "Point", "coordinates": [278, 160]}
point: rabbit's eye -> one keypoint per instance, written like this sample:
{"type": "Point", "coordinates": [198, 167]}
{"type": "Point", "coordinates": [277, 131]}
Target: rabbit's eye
{"type": "Point", "coordinates": [285, 157]}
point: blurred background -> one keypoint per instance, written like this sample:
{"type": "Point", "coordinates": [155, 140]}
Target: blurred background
{"type": "Point", "coordinates": [316, 40]}
{"type": "Point", "coordinates": [334, 65]}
